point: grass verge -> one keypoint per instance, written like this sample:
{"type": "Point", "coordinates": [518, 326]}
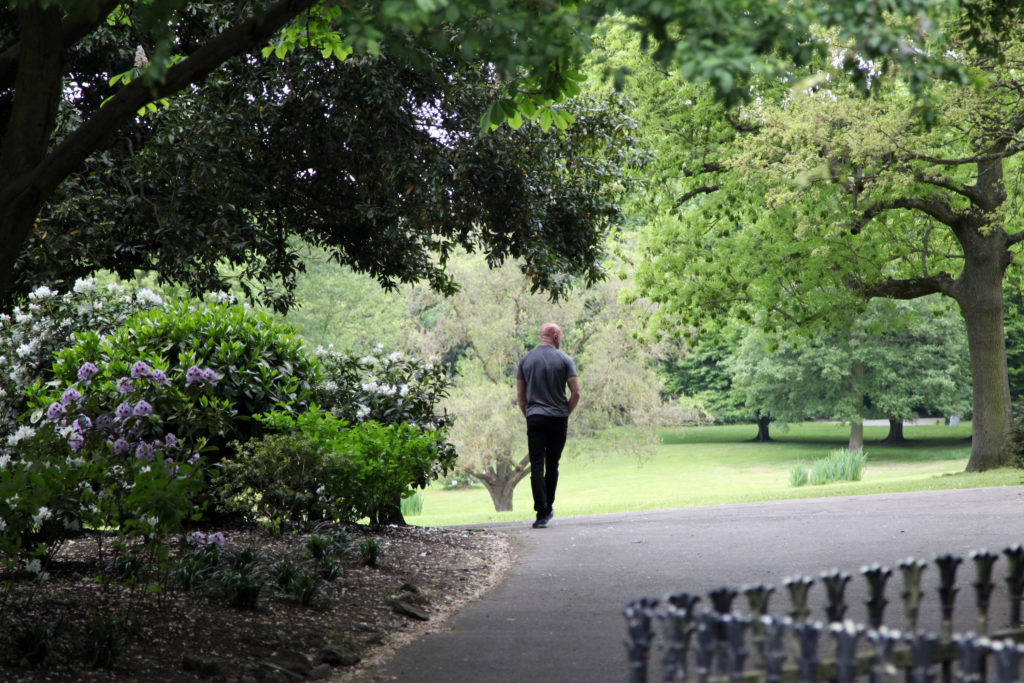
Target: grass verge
{"type": "Point", "coordinates": [720, 465]}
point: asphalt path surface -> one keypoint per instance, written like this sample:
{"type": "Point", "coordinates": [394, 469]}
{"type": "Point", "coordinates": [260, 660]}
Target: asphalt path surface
{"type": "Point", "coordinates": [557, 615]}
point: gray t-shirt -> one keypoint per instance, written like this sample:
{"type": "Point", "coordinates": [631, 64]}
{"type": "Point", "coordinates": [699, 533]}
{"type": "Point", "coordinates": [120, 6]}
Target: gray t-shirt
{"type": "Point", "coordinates": [546, 371]}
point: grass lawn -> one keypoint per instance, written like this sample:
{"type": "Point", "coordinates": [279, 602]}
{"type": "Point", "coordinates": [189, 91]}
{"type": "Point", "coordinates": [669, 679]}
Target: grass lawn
{"type": "Point", "coordinates": [718, 465]}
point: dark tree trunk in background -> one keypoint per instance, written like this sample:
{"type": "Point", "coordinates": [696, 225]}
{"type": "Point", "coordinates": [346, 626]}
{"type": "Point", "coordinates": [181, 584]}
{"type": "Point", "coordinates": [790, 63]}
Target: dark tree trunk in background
{"type": "Point", "coordinates": [762, 428]}
{"type": "Point", "coordinates": [895, 431]}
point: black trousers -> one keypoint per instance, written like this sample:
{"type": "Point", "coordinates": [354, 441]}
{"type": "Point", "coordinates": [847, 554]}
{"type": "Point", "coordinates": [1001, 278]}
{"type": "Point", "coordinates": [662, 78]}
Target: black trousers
{"type": "Point", "coordinates": [545, 436]}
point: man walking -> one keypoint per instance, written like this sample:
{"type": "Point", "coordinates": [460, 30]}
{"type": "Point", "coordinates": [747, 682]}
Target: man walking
{"type": "Point", "coordinates": [541, 379]}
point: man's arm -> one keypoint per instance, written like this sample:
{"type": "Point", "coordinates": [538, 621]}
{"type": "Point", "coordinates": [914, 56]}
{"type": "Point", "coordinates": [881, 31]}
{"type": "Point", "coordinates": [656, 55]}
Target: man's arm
{"type": "Point", "coordinates": [574, 397]}
{"type": "Point", "coordinates": [521, 395]}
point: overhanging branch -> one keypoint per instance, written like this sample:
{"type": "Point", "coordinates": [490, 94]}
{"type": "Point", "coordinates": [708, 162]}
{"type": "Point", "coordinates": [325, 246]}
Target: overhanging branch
{"type": "Point", "coordinates": [912, 288]}
{"type": "Point", "coordinates": [937, 209]}
{"type": "Point", "coordinates": [76, 147]}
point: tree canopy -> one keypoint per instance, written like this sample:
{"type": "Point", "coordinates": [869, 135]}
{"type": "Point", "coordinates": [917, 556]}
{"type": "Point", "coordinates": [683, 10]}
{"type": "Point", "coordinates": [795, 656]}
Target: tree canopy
{"type": "Point", "coordinates": [67, 84]}
{"type": "Point", "coordinates": [835, 199]}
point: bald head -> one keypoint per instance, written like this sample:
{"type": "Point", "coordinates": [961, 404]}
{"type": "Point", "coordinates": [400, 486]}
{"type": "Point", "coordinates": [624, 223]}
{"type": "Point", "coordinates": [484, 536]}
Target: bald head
{"type": "Point", "coordinates": [550, 334]}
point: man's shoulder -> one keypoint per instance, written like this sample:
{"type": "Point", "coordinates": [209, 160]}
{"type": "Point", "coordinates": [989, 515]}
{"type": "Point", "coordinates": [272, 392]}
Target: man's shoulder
{"type": "Point", "coordinates": [547, 354]}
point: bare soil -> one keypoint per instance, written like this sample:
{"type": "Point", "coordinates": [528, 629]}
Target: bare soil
{"type": "Point", "coordinates": [178, 635]}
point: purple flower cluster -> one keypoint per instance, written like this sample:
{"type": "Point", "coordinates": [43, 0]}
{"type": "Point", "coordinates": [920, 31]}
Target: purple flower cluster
{"type": "Point", "coordinates": [132, 430]}
{"type": "Point", "coordinates": [87, 372]}
{"type": "Point", "coordinates": [199, 538]}
{"type": "Point", "coordinates": [201, 376]}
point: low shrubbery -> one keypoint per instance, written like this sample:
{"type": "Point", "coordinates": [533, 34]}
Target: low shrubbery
{"type": "Point", "coordinates": [315, 466]}
{"type": "Point", "coordinates": [154, 415]}
{"type": "Point", "coordinates": [839, 465]}
{"type": "Point", "coordinates": [126, 429]}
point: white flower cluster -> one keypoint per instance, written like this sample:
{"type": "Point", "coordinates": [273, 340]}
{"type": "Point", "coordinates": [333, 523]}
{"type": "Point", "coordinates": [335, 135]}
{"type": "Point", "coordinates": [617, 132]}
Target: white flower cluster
{"type": "Point", "coordinates": [384, 389]}
{"type": "Point", "coordinates": [47, 323]}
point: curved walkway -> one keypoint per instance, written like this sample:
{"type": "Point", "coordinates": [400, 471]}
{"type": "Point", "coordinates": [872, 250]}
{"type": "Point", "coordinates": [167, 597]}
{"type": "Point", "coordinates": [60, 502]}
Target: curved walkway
{"type": "Point", "coordinates": [556, 617]}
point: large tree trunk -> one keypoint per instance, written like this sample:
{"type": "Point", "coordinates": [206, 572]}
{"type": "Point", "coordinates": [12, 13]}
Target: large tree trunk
{"type": "Point", "coordinates": [979, 292]}
{"type": "Point", "coordinates": [501, 479]}
{"type": "Point", "coordinates": [895, 431]}
{"type": "Point", "coordinates": [763, 421]}
{"type": "Point", "coordinates": [856, 436]}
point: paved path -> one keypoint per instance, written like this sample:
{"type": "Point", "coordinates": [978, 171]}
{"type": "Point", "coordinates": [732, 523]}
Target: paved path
{"type": "Point", "coordinates": [556, 617]}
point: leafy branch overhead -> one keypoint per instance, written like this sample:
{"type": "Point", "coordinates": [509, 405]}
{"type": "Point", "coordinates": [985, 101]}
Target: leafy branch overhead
{"type": "Point", "coordinates": [57, 60]}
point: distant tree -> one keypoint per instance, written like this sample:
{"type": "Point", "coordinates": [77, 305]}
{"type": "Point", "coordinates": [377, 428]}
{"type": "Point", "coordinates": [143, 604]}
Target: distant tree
{"type": "Point", "coordinates": [495, 320]}
{"type": "Point", "coordinates": [335, 306]}
{"type": "Point", "coordinates": [901, 360]}
{"type": "Point", "coordinates": [837, 199]}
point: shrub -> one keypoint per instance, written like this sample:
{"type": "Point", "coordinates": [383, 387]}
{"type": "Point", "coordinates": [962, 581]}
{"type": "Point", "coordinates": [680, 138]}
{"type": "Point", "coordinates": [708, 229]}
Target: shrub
{"type": "Point", "coordinates": [251, 362]}
{"type": "Point", "coordinates": [104, 642]}
{"type": "Point", "coordinates": [277, 478]}
{"type": "Point", "coordinates": [839, 465]}
{"type": "Point", "coordinates": [369, 550]}
{"type": "Point", "coordinates": [47, 323]}
{"type": "Point", "coordinates": [133, 436]}
{"type": "Point", "coordinates": [385, 388]}
{"type": "Point", "coordinates": [317, 467]}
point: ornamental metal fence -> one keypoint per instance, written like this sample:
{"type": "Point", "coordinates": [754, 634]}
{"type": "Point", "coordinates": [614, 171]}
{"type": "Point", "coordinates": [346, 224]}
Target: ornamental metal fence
{"type": "Point", "coordinates": [714, 642]}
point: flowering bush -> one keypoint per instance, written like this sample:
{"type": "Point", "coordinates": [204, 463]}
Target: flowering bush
{"type": "Point", "coordinates": [245, 359]}
{"type": "Point", "coordinates": [32, 334]}
{"type": "Point", "coordinates": [386, 388]}
{"type": "Point", "coordinates": [107, 449]}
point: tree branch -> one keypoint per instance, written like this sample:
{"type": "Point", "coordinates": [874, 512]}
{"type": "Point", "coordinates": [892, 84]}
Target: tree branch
{"type": "Point", "coordinates": [912, 288]}
{"type": "Point", "coordinates": [946, 184]}
{"type": "Point", "coordinates": [72, 30]}
{"type": "Point", "coordinates": [706, 167]}
{"type": "Point", "coordinates": [1005, 152]}
{"type": "Point", "coordinates": [939, 210]}
{"type": "Point", "coordinates": [703, 189]}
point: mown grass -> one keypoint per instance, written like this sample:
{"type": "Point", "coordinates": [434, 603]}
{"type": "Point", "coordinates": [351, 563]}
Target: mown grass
{"type": "Point", "coordinates": [720, 465]}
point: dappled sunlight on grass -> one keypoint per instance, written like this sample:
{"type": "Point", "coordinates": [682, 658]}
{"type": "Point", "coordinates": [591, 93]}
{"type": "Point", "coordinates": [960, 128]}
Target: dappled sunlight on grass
{"type": "Point", "coordinates": [718, 465]}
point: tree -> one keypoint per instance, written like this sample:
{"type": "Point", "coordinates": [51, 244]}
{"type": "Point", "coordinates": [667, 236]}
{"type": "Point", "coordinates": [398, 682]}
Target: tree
{"type": "Point", "coordinates": [378, 163]}
{"type": "Point", "coordinates": [494, 320]}
{"type": "Point", "coordinates": [902, 359]}
{"type": "Point", "coordinates": [838, 190]}
{"type": "Point", "coordinates": [69, 60]}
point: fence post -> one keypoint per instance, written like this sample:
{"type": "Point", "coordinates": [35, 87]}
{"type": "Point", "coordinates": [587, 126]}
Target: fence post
{"type": "Point", "coordinates": [835, 588]}
{"type": "Point", "coordinates": [876, 576]}
{"type": "Point", "coordinates": [971, 659]}
{"type": "Point", "coordinates": [846, 634]}
{"type": "Point", "coordinates": [773, 647]}
{"type": "Point", "coordinates": [638, 615]}
{"type": "Point", "coordinates": [922, 648]}
{"type": "Point", "coordinates": [947, 591]}
{"type": "Point", "coordinates": [911, 570]}
{"type": "Point", "coordinates": [983, 585]}
{"type": "Point", "coordinates": [807, 633]}
{"type": "Point", "coordinates": [678, 618]}
{"type": "Point", "coordinates": [884, 640]}
{"type": "Point", "coordinates": [1015, 581]}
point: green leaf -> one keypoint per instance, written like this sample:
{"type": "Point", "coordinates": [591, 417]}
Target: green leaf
{"type": "Point", "coordinates": [545, 120]}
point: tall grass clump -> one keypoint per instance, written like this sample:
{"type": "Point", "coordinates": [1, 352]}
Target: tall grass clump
{"type": "Point", "coordinates": [798, 475]}
{"type": "Point", "coordinates": [412, 505]}
{"type": "Point", "coordinates": [839, 465]}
